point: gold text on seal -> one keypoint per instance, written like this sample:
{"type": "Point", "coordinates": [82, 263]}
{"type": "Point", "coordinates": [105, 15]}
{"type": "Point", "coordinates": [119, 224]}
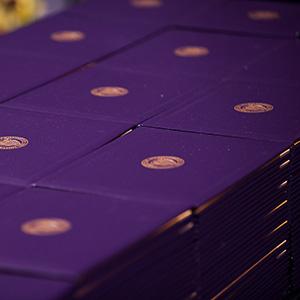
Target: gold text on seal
{"type": "Point", "coordinates": [146, 3]}
{"type": "Point", "coordinates": [263, 15]}
{"type": "Point", "coordinates": [253, 107]}
{"type": "Point", "coordinates": [41, 227]}
{"type": "Point", "coordinates": [109, 91]}
{"type": "Point", "coordinates": [12, 142]}
{"type": "Point", "coordinates": [67, 36]}
{"type": "Point", "coordinates": [191, 51]}
{"type": "Point", "coordinates": [162, 162]}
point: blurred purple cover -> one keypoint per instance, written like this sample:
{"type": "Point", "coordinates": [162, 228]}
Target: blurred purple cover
{"type": "Point", "coordinates": [100, 38]}
{"type": "Point", "coordinates": [162, 12]}
{"type": "Point", "coordinates": [208, 14]}
{"type": "Point", "coordinates": [234, 16]}
{"type": "Point", "coordinates": [227, 54]}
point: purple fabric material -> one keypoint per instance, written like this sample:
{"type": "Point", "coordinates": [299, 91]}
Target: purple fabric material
{"type": "Point", "coordinates": [28, 57]}
{"type": "Point", "coordinates": [25, 288]}
{"type": "Point", "coordinates": [31, 51]}
{"type": "Point", "coordinates": [233, 15]}
{"type": "Point", "coordinates": [101, 38]}
{"type": "Point", "coordinates": [168, 13]}
{"type": "Point", "coordinates": [215, 114]}
{"type": "Point", "coordinates": [280, 67]}
{"type": "Point", "coordinates": [101, 228]}
{"type": "Point", "coordinates": [211, 14]}
{"type": "Point", "coordinates": [7, 190]}
{"type": "Point", "coordinates": [53, 141]}
{"type": "Point", "coordinates": [227, 54]}
{"type": "Point", "coordinates": [212, 163]}
{"type": "Point", "coordinates": [148, 95]}
{"type": "Point", "coordinates": [21, 72]}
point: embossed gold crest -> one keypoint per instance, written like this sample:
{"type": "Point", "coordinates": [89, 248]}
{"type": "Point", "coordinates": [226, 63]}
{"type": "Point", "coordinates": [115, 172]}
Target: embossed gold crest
{"type": "Point", "coordinates": [42, 227]}
{"type": "Point", "coordinates": [12, 142]}
{"type": "Point", "coordinates": [263, 15]}
{"type": "Point", "coordinates": [67, 36]}
{"type": "Point", "coordinates": [146, 3]}
{"type": "Point", "coordinates": [162, 162]}
{"type": "Point", "coordinates": [253, 107]}
{"type": "Point", "coordinates": [109, 91]}
{"type": "Point", "coordinates": [191, 51]}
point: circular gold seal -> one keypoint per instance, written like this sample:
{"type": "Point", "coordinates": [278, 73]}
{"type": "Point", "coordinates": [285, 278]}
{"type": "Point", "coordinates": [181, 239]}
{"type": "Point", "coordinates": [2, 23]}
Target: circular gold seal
{"type": "Point", "coordinates": [253, 107]}
{"type": "Point", "coordinates": [109, 91]}
{"type": "Point", "coordinates": [12, 142]}
{"type": "Point", "coordinates": [191, 51]}
{"type": "Point", "coordinates": [162, 162]}
{"type": "Point", "coordinates": [42, 227]}
{"type": "Point", "coordinates": [263, 15]}
{"type": "Point", "coordinates": [67, 36]}
{"type": "Point", "coordinates": [146, 3]}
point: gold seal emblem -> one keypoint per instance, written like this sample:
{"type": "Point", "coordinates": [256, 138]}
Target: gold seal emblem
{"type": "Point", "coordinates": [162, 162]}
{"type": "Point", "coordinates": [191, 51]}
{"type": "Point", "coordinates": [12, 142]}
{"type": "Point", "coordinates": [109, 91]}
{"type": "Point", "coordinates": [253, 107]}
{"type": "Point", "coordinates": [67, 36]}
{"type": "Point", "coordinates": [146, 3]}
{"type": "Point", "coordinates": [263, 15]}
{"type": "Point", "coordinates": [46, 226]}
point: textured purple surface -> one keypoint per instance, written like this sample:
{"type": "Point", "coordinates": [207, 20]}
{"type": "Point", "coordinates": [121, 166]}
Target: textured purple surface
{"type": "Point", "coordinates": [25, 288]}
{"type": "Point", "coordinates": [212, 14]}
{"type": "Point", "coordinates": [233, 15]}
{"type": "Point", "coordinates": [101, 227]}
{"type": "Point", "coordinates": [7, 190]}
{"type": "Point", "coordinates": [147, 95]}
{"type": "Point", "coordinates": [20, 72]}
{"type": "Point", "coordinates": [168, 13]}
{"type": "Point", "coordinates": [281, 66]}
{"type": "Point", "coordinates": [215, 114]}
{"type": "Point", "coordinates": [53, 140]}
{"type": "Point", "coordinates": [227, 54]}
{"type": "Point", "coordinates": [100, 38]}
{"type": "Point", "coordinates": [30, 50]}
{"type": "Point", "coordinates": [212, 164]}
